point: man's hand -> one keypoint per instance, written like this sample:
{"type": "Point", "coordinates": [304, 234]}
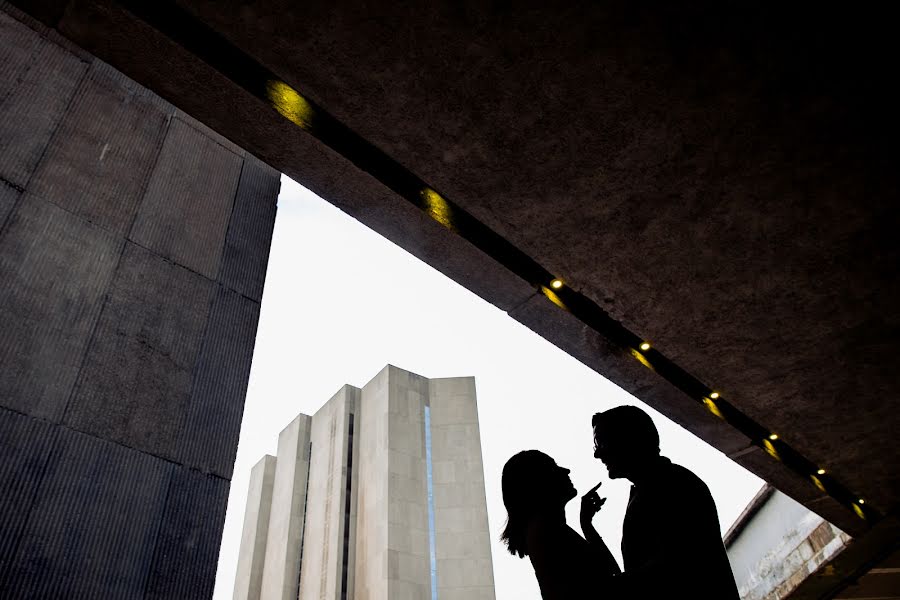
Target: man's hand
{"type": "Point", "coordinates": [591, 503]}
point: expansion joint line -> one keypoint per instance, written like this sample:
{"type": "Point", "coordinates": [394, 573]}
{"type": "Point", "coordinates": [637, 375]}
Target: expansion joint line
{"type": "Point", "coordinates": [209, 46]}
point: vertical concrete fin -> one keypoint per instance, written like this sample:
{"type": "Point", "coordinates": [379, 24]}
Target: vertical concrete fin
{"type": "Point", "coordinates": [407, 495]}
{"type": "Point", "coordinates": [251, 559]}
{"type": "Point", "coordinates": [281, 570]}
{"type": "Point", "coordinates": [371, 564]}
{"type": "Point", "coordinates": [463, 544]}
{"type": "Point", "coordinates": [327, 519]}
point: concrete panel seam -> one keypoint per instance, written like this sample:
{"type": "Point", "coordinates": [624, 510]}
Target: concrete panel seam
{"type": "Point", "coordinates": [21, 198]}
{"type": "Point", "coordinates": [196, 370]}
{"type": "Point", "coordinates": [91, 338]}
{"type": "Point", "coordinates": [203, 133]}
{"type": "Point", "coordinates": [234, 200]}
{"type": "Point", "coordinates": [77, 88]}
{"type": "Point", "coordinates": [146, 183]}
{"type": "Point", "coordinates": [14, 186]}
{"type": "Point", "coordinates": [12, 209]}
{"type": "Point", "coordinates": [189, 270]}
{"type": "Point", "coordinates": [113, 442]}
{"type": "Point", "coordinates": [522, 303]}
{"type": "Point", "coordinates": [69, 211]}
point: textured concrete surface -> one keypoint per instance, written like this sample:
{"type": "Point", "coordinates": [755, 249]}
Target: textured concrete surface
{"type": "Point", "coordinates": [716, 176]}
{"type": "Point", "coordinates": [135, 385]}
{"type": "Point", "coordinates": [249, 236]}
{"type": "Point", "coordinates": [189, 199]}
{"type": "Point", "coordinates": [25, 445]}
{"type": "Point", "coordinates": [92, 529]}
{"type": "Point", "coordinates": [8, 197]}
{"type": "Point", "coordinates": [56, 269]}
{"type": "Point", "coordinates": [33, 72]}
{"type": "Point", "coordinates": [255, 532]}
{"type": "Point", "coordinates": [212, 422]}
{"type": "Point", "coordinates": [122, 371]}
{"type": "Point", "coordinates": [187, 546]}
{"type": "Point", "coordinates": [98, 168]}
{"type": "Point", "coordinates": [285, 535]}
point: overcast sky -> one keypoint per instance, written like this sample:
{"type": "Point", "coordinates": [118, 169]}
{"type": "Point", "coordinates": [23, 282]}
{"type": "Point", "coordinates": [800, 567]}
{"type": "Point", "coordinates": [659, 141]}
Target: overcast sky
{"type": "Point", "coordinates": [341, 302]}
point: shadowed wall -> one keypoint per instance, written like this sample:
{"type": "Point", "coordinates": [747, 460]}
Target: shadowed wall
{"type": "Point", "coordinates": [133, 251]}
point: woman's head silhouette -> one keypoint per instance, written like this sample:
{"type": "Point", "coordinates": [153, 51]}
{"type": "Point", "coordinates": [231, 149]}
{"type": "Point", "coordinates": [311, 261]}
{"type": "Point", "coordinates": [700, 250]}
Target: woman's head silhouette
{"type": "Point", "coordinates": [533, 485]}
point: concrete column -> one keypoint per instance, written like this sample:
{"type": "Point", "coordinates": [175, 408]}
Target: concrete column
{"type": "Point", "coordinates": [408, 554]}
{"type": "Point", "coordinates": [252, 555]}
{"type": "Point", "coordinates": [464, 567]}
{"type": "Point", "coordinates": [133, 247]}
{"type": "Point", "coordinates": [321, 574]}
{"type": "Point", "coordinates": [371, 573]}
{"type": "Point", "coordinates": [282, 565]}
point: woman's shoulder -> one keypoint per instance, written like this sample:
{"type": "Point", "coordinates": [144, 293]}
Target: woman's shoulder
{"type": "Point", "coordinates": [551, 534]}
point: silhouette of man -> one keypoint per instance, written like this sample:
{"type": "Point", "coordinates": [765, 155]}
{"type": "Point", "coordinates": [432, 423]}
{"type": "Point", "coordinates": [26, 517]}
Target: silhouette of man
{"type": "Point", "coordinates": [671, 543]}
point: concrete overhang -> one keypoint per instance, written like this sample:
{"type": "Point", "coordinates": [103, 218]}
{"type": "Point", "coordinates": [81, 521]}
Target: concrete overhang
{"type": "Point", "coordinates": [719, 179]}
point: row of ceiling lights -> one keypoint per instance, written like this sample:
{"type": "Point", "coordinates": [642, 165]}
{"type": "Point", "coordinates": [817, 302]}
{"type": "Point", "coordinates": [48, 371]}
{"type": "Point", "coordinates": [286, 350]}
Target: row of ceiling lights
{"type": "Point", "coordinates": [557, 284]}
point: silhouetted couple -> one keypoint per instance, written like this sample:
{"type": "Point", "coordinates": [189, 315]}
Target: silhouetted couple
{"type": "Point", "coordinates": [671, 544]}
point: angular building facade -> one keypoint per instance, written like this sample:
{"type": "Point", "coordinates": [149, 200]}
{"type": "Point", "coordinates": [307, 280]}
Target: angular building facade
{"type": "Point", "coordinates": [379, 495]}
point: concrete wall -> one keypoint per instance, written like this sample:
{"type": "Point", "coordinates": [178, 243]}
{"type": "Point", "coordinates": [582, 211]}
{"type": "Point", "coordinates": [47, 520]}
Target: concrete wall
{"type": "Point", "coordinates": [252, 556]}
{"type": "Point", "coordinates": [323, 543]}
{"type": "Point", "coordinates": [133, 247]}
{"type": "Point", "coordinates": [781, 545]}
{"type": "Point", "coordinates": [461, 525]}
{"type": "Point", "coordinates": [285, 536]}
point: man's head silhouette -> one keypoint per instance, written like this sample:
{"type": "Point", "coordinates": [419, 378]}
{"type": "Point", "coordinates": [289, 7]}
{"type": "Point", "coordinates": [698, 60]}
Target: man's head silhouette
{"type": "Point", "coordinates": [626, 440]}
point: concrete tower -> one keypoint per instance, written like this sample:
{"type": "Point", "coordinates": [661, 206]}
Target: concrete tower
{"type": "Point", "coordinates": [378, 496]}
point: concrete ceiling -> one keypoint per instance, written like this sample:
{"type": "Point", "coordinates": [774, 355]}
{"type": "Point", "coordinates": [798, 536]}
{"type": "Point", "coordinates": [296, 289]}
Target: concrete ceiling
{"type": "Point", "coordinates": [719, 178]}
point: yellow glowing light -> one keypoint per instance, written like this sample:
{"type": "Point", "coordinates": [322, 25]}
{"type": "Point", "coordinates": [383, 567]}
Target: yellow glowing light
{"type": "Point", "coordinates": [437, 208]}
{"type": "Point", "coordinates": [818, 483]}
{"type": "Point", "coordinates": [713, 408]}
{"type": "Point", "coordinates": [556, 284]}
{"type": "Point", "coordinates": [773, 436]}
{"type": "Point", "coordinates": [714, 395]}
{"type": "Point", "coordinates": [821, 471]}
{"type": "Point", "coordinates": [290, 104]}
{"type": "Point", "coordinates": [773, 452]}
{"type": "Point", "coordinates": [640, 358]}
{"type": "Point", "coordinates": [859, 512]}
{"type": "Point", "coordinates": [553, 298]}
{"type": "Point", "coordinates": [645, 346]}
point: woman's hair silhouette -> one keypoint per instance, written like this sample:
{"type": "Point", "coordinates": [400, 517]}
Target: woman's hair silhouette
{"type": "Point", "coordinates": [532, 483]}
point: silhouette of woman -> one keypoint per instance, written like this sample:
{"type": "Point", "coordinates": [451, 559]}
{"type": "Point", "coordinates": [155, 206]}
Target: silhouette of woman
{"type": "Point", "coordinates": [535, 493]}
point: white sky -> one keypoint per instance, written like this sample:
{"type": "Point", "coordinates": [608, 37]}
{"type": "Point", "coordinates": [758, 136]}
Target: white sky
{"type": "Point", "coordinates": [341, 302]}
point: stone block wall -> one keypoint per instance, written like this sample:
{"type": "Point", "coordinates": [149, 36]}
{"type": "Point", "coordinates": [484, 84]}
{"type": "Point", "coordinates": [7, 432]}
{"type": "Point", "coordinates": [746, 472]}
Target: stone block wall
{"type": "Point", "coordinates": [133, 249]}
